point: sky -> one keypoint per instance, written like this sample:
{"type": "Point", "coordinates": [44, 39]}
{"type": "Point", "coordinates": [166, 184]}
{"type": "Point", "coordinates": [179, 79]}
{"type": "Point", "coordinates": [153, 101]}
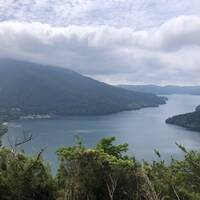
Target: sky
{"type": "Point", "coordinates": [115, 41]}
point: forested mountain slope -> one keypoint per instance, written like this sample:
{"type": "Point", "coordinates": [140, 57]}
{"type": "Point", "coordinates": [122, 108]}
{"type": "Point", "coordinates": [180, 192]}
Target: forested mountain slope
{"type": "Point", "coordinates": [29, 88]}
{"type": "Point", "coordinates": [188, 120]}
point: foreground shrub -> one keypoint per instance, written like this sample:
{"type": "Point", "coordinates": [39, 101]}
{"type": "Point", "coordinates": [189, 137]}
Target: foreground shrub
{"type": "Point", "coordinates": [180, 180]}
{"type": "Point", "coordinates": [24, 178]}
{"type": "Point", "coordinates": [99, 173]}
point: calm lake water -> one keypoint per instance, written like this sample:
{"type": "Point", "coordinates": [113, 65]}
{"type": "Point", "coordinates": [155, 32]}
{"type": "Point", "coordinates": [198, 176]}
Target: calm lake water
{"type": "Point", "coordinates": [144, 130]}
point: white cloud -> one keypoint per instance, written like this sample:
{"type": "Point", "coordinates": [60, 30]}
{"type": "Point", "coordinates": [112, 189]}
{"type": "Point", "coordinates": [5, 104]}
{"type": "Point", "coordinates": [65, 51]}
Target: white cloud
{"type": "Point", "coordinates": [167, 54]}
{"type": "Point", "coordinates": [137, 14]}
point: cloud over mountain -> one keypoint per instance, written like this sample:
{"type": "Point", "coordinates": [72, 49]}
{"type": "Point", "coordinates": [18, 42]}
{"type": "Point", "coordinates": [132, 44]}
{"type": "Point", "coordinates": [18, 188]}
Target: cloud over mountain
{"type": "Point", "coordinates": [166, 54]}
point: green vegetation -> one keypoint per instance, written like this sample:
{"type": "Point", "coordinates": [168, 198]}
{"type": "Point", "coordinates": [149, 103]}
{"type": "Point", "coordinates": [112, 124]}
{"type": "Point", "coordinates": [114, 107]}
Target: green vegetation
{"type": "Point", "coordinates": [188, 120]}
{"type": "Point", "coordinates": [179, 180]}
{"type": "Point", "coordinates": [24, 178]}
{"type": "Point", "coordinates": [99, 173]}
{"type": "Point", "coordinates": [28, 89]}
{"type": "Point", "coordinates": [103, 172]}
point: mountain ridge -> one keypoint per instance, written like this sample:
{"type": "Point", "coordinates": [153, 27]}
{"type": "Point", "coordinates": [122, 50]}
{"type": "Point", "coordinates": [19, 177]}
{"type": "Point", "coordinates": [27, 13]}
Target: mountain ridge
{"type": "Point", "coordinates": [163, 90]}
{"type": "Point", "coordinates": [28, 88]}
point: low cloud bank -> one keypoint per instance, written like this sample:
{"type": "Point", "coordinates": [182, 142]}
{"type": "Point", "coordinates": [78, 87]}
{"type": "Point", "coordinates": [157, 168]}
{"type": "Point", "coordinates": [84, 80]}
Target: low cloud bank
{"type": "Point", "coordinates": [168, 54]}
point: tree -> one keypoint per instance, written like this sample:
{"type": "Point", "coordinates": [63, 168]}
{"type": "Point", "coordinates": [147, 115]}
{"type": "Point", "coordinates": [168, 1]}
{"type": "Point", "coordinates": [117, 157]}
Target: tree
{"type": "Point", "coordinates": [98, 173]}
{"type": "Point", "coordinates": [106, 145]}
{"type": "Point", "coordinates": [178, 180]}
{"type": "Point", "coordinates": [24, 178]}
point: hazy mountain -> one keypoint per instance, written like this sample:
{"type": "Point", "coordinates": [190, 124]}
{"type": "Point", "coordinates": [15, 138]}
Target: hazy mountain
{"type": "Point", "coordinates": [29, 88]}
{"type": "Point", "coordinates": [195, 90]}
{"type": "Point", "coordinates": [188, 120]}
{"type": "Point", "coordinates": [197, 108]}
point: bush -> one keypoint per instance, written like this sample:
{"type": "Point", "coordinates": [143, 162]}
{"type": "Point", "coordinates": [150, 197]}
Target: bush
{"type": "Point", "coordinates": [24, 178]}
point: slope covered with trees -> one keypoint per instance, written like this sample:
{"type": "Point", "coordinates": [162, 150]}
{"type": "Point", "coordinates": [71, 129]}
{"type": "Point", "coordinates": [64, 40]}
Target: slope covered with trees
{"type": "Point", "coordinates": [103, 172]}
{"type": "Point", "coordinates": [29, 88]}
{"type": "Point", "coordinates": [188, 120]}
{"type": "Point", "coordinates": [198, 108]}
{"type": "Point", "coordinates": [24, 178]}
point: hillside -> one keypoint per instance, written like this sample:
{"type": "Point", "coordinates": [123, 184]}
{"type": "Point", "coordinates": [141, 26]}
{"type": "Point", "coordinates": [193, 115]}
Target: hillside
{"type": "Point", "coordinates": [197, 108]}
{"type": "Point", "coordinates": [161, 90]}
{"type": "Point", "coordinates": [188, 120]}
{"type": "Point", "coordinates": [29, 88]}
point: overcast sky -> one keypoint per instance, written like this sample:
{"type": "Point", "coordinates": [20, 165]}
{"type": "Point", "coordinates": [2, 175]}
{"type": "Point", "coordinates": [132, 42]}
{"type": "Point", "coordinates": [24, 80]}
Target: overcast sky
{"type": "Point", "coordinates": [116, 41]}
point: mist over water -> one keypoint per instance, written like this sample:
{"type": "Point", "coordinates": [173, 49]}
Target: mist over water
{"type": "Point", "coordinates": [144, 130]}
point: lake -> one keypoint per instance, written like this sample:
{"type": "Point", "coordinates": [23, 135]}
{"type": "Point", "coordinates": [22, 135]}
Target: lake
{"type": "Point", "coordinates": [144, 130]}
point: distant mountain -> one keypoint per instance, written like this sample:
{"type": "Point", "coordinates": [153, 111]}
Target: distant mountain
{"type": "Point", "coordinates": [161, 90]}
{"type": "Point", "coordinates": [188, 120]}
{"type": "Point", "coordinates": [31, 89]}
{"type": "Point", "coordinates": [197, 108]}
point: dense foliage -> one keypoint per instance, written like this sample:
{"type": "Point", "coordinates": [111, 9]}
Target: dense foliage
{"type": "Point", "coordinates": [100, 173]}
{"type": "Point", "coordinates": [37, 89]}
{"type": "Point", "coordinates": [188, 120]}
{"type": "Point", "coordinates": [105, 173]}
{"type": "Point", "coordinates": [24, 178]}
{"type": "Point", "coordinates": [180, 180]}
